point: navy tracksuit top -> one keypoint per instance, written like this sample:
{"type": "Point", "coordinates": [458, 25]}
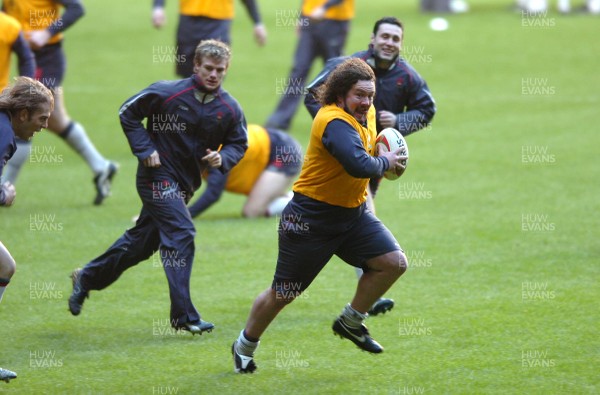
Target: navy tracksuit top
{"type": "Point", "coordinates": [400, 90]}
{"type": "Point", "coordinates": [182, 122]}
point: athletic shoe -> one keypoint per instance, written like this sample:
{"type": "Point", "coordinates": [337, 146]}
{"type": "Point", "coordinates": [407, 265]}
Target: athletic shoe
{"type": "Point", "coordinates": [79, 294]}
{"type": "Point", "coordinates": [242, 363]}
{"type": "Point", "coordinates": [197, 327]}
{"type": "Point", "coordinates": [7, 375]}
{"type": "Point", "coordinates": [359, 336]}
{"type": "Point", "coordinates": [381, 306]}
{"type": "Point", "coordinates": [102, 182]}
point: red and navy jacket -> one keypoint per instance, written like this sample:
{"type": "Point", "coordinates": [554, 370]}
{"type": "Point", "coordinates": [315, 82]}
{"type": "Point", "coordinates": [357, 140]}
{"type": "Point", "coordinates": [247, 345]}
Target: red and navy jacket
{"type": "Point", "coordinates": [182, 122]}
{"type": "Point", "coordinates": [399, 89]}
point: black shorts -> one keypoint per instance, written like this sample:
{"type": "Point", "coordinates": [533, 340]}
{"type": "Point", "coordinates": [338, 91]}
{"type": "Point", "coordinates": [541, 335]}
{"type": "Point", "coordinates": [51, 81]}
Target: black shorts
{"type": "Point", "coordinates": [308, 241]}
{"type": "Point", "coordinates": [51, 65]}
{"type": "Point", "coordinates": [286, 153]}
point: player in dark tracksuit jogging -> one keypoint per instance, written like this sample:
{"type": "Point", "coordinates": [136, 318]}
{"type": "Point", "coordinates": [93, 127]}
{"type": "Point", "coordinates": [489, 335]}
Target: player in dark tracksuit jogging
{"type": "Point", "coordinates": [402, 97]}
{"type": "Point", "coordinates": [403, 100]}
{"type": "Point", "coordinates": [187, 121]}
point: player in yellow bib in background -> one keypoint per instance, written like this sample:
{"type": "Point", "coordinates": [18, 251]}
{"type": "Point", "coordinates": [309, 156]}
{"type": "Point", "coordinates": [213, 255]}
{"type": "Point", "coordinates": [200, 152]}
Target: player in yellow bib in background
{"type": "Point", "coordinates": [13, 40]}
{"type": "Point", "coordinates": [264, 174]}
{"type": "Point", "coordinates": [202, 20]}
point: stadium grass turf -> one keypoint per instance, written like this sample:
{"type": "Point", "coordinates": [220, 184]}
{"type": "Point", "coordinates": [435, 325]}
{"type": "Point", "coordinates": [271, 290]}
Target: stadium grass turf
{"type": "Point", "coordinates": [496, 212]}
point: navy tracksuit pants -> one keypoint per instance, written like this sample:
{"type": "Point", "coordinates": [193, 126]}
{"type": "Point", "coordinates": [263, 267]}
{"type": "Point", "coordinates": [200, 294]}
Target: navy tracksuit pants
{"type": "Point", "coordinates": [164, 224]}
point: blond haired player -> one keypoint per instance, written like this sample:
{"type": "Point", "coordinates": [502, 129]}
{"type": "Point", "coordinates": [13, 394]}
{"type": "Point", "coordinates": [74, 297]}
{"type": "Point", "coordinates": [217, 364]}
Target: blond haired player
{"type": "Point", "coordinates": [25, 108]}
{"type": "Point", "coordinates": [43, 26]}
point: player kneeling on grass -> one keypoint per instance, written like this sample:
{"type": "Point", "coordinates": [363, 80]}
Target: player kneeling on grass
{"type": "Point", "coordinates": [264, 174]}
{"type": "Point", "coordinates": [328, 216]}
{"type": "Point", "coordinates": [25, 108]}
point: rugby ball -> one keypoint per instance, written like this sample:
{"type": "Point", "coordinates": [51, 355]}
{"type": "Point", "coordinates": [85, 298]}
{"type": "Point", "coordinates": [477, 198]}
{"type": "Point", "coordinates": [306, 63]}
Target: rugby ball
{"type": "Point", "coordinates": [390, 140]}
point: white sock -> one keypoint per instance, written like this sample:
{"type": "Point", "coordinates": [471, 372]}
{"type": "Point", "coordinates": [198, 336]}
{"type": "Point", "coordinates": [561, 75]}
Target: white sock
{"type": "Point", "coordinates": [246, 347]}
{"type": "Point", "coordinates": [359, 272]}
{"type": "Point", "coordinates": [3, 285]}
{"type": "Point", "coordinates": [13, 166]}
{"type": "Point", "coordinates": [78, 139]}
{"type": "Point", "coordinates": [353, 318]}
{"type": "Point", "coordinates": [276, 206]}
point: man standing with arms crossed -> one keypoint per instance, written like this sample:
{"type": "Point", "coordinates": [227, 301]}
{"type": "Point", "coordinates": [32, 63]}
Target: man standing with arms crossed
{"type": "Point", "coordinates": [402, 100]}
{"type": "Point", "coordinates": [328, 216]}
{"type": "Point", "coordinates": [187, 121]}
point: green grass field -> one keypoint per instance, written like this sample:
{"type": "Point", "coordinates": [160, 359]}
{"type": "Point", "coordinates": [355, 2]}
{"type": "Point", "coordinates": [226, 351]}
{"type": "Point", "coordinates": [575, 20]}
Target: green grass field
{"type": "Point", "coordinates": [496, 213]}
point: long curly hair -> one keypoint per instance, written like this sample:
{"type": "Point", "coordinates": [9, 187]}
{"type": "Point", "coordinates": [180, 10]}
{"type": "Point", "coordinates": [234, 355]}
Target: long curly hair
{"type": "Point", "coordinates": [342, 79]}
